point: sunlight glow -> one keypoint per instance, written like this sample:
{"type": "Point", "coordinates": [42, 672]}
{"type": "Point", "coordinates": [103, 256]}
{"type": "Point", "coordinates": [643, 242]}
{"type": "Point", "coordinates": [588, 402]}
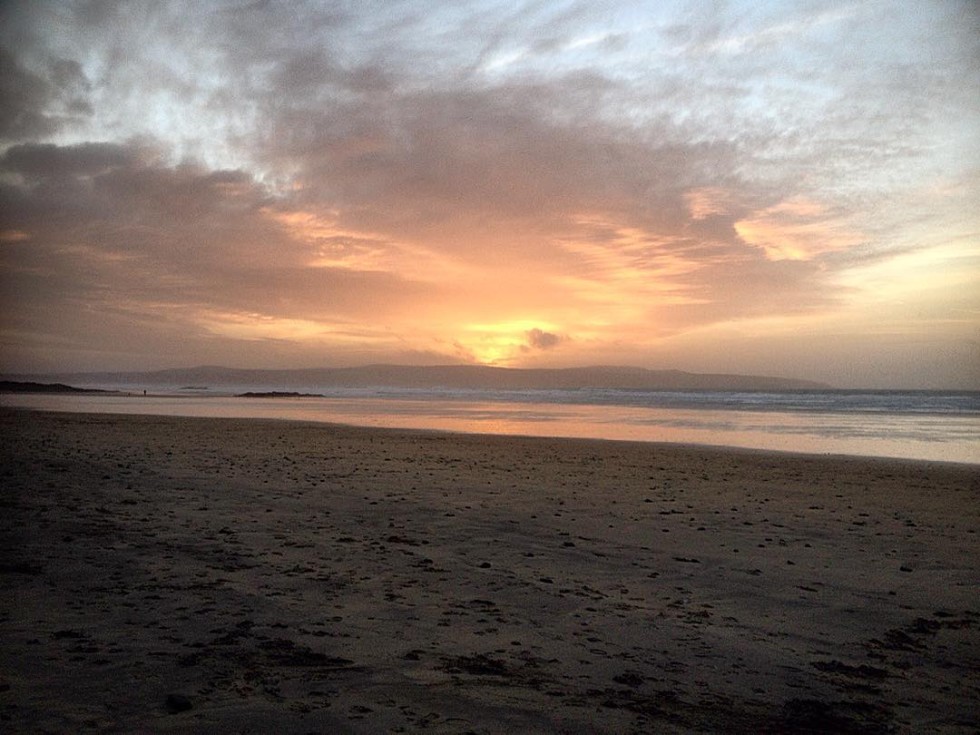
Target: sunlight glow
{"type": "Point", "coordinates": [796, 229]}
{"type": "Point", "coordinates": [503, 342]}
{"type": "Point", "coordinates": [946, 271]}
{"type": "Point", "coordinates": [14, 236]}
{"type": "Point", "coordinates": [255, 327]}
{"type": "Point", "coordinates": [708, 201]}
{"type": "Point", "coordinates": [334, 246]}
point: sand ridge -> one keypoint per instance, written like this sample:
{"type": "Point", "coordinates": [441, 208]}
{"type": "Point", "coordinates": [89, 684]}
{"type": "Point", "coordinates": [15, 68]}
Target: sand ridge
{"type": "Point", "coordinates": [190, 575]}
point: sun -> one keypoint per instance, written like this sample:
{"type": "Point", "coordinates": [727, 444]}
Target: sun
{"type": "Point", "coordinates": [500, 343]}
{"type": "Point", "coordinates": [492, 354]}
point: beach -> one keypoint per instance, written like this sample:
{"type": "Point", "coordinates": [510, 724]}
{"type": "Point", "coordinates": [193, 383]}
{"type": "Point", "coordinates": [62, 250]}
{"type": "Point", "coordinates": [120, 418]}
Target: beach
{"type": "Point", "coordinates": [178, 575]}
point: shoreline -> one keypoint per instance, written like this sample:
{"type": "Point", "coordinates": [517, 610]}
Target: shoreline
{"type": "Point", "coordinates": [688, 427]}
{"type": "Point", "coordinates": [304, 576]}
{"type": "Point", "coordinates": [408, 432]}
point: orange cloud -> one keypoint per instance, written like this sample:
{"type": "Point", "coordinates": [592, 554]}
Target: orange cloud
{"type": "Point", "coordinates": [333, 245]}
{"type": "Point", "coordinates": [626, 269]}
{"type": "Point", "coordinates": [797, 229]}
{"type": "Point", "coordinates": [708, 201]}
{"type": "Point", "coordinates": [14, 236]}
{"type": "Point", "coordinates": [258, 326]}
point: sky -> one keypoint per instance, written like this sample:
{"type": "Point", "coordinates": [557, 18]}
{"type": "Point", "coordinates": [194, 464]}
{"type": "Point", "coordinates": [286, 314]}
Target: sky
{"type": "Point", "coordinates": [779, 188]}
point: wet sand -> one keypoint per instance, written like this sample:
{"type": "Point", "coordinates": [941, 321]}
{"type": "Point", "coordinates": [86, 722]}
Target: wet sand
{"type": "Point", "coordinates": [200, 575]}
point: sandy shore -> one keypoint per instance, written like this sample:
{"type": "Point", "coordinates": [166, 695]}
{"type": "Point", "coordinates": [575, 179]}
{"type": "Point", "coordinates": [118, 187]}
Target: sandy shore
{"type": "Point", "coordinates": [199, 575]}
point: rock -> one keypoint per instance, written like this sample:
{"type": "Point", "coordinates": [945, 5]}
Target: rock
{"type": "Point", "coordinates": [178, 703]}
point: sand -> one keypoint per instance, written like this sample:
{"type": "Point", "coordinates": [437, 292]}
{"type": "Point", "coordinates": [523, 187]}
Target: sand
{"type": "Point", "coordinates": [200, 575]}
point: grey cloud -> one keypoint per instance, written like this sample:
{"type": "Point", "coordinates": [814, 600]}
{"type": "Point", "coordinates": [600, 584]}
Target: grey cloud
{"type": "Point", "coordinates": [538, 339]}
{"type": "Point", "coordinates": [32, 105]}
{"type": "Point", "coordinates": [43, 160]}
{"type": "Point", "coordinates": [40, 92]}
{"type": "Point", "coordinates": [124, 194]}
{"type": "Point", "coordinates": [364, 132]}
{"type": "Point", "coordinates": [142, 238]}
{"type": "Point", "coordinates": [314, 76]}
{"type": "Point", "coordinates": [357, 124]}
{"type": "Point", "coordinates": [464, 155]}
{"type": "Point", "coordinates": [23, 100]}
{"type": "Point", "coordinates": [538, 27]}
{"type": "Point", "coordinates": [417, 161]}
{"type": "Point", "coordinates": [441, 164]}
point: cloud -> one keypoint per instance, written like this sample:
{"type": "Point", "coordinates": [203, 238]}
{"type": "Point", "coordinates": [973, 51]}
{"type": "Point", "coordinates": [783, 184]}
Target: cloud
{"type": "Point", "coordinates": [708, 201]}
{"type": "Point", "coordinates": [46, 160]}
{"type": "Point", "coordinates": [22, 101]}
{"type": "Point", "coordinates": [42, 101]}
{"type": "Point", "coordinates": [538, 339]}
{"type": "Point", "coordinates": [99, 234]}
{"type": "Point", "coordinates": [382, 178]}
{"type": "Point", "coordinates": [797, 229]}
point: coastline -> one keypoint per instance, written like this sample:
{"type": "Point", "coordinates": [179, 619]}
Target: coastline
{"type": "Point", "coordinates": [931, 433]}
{"type": "Point", "coordinates": [316, 576]}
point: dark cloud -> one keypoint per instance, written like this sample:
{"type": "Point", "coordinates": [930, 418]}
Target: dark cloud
{"type": "Point", "coordinates": [538, 339]}
{"type": "Point", "coordinates": [40, 99]}
{"type": "Point", "coordinates": [23, 100]}
{"type": "Point", "coordinates": [435, 161]}
{"type": "Point", "coordinates": [107, 236]}
{"type": "Point", "coordinates": [46, 160]}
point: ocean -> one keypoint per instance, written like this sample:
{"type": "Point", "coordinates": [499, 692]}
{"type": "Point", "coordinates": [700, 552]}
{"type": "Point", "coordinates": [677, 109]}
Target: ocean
{"type": "Point", "coordinates": [926, 425]}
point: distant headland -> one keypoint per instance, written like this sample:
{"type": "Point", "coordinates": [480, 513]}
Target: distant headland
{"type": "Point", "coordinates": [472, 377]}
{"type": "Point", "coordinates": [28, 386]}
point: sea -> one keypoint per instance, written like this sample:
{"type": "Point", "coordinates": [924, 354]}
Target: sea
{"type": "Point", "coordinates": [921, 425]}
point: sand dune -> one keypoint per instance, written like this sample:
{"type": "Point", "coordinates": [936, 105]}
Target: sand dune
{"type": "Point", "coordinates": [200, 575]}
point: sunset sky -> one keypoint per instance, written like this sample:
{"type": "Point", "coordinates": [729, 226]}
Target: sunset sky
{"type": "Point", "coordinates": [782, 188]}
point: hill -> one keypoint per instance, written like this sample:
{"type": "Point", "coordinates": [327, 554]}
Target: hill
{"type": "Point", "coordinates": [15, 386]}
{"type": "Point", "coordinates": [474, 377]}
